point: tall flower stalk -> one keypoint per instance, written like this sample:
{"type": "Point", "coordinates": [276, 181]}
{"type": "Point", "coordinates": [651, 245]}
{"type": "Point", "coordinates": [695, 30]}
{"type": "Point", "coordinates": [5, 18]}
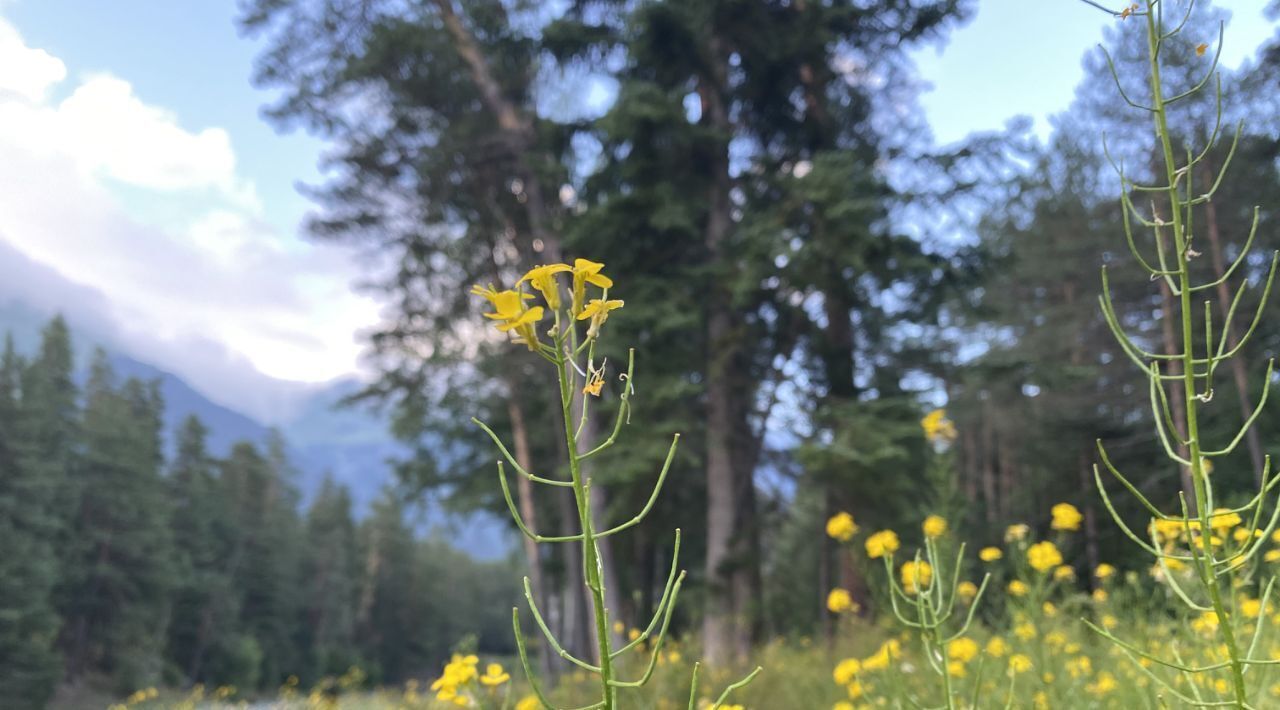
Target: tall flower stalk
{"type": "Point", "coordinates": [570, 347]}
{"type": "Point", "coordinates": [1187, 537]}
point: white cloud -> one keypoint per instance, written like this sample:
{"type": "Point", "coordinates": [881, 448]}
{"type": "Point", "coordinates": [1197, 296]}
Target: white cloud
{"type": "Point", "coordinates": [77, 176]}
{"type": "Point", "coordinates": [25, 72]}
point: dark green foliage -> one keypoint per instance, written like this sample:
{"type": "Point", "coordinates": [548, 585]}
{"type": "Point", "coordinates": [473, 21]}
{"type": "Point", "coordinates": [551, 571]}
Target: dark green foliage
{"type": "Point", "coordinates": [202, 569]}
{"type": "Point", "coordinates": [29, 663]}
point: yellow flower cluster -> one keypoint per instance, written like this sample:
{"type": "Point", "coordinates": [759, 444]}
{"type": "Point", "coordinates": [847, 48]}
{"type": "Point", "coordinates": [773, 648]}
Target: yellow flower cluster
{"type": "Point", "coordinates": [882, 543]}
{"type": "Point", "coordinates": [916, 576]}
{"type": "Point", "coordinates": [937, 428]}
{"type": "Point", "coordinates": [458, 673]}
{"type": "Point", "coordinates": [517, 318]}
{"type": "Point", "coordinates": [841, 527]}
{"type": "Point", "coordinates": [1065, 517]}
{"type": "Point", "coordinates": [934, 526]}
{"type": "Point", "coordinates": [1044, 556]}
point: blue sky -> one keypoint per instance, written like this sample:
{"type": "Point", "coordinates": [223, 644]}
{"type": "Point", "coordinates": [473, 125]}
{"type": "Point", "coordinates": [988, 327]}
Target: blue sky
{"type": "Point", "coordinates": [134, 160]}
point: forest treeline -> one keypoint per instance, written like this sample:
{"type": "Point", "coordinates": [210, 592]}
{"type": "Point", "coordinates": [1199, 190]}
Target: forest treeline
{"type": "Point", "coordinates": [124, 565]}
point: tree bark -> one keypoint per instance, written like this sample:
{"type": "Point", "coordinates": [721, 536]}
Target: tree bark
{"type": "Point", "coordinates": [720, 623]}
{"type": "Point", "coordinates": [528, 511]}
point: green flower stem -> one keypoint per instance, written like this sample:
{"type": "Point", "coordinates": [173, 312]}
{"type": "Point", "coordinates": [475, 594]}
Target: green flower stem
{"type": "Point", "coordinates": [1180, 239]}
{"type": "Point", "coordinates": [590, 552]}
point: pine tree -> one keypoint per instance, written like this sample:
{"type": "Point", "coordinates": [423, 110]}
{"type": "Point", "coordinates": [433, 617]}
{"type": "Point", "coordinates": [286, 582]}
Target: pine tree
{"type": "Point", "coordinates": [204, 601]}
{"type": "Point", "coordinates": [118, 602]}
{"type": "Point", "coordinates": [29, 662]}
{"type": "Point", "coordinates": [330, 579]}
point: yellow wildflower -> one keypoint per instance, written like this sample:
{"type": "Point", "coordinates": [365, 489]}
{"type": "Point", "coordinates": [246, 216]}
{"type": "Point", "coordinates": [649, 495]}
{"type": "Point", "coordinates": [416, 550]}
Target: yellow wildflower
{"type": "Point", "coordinates": [955, 669]}
{"type": "Point", "coordinates": [967, 590]}
{"type": "Point", "coordinates": [543, 278]}
{"type": "Point", "coordinates": [529, 702]}
{"type": "Point", "coordinates": [916, 576]}
{"type": "Point", "coordinates": [597, 310]}
{"type": "Point", "coordinates": [1201, 49]}
{"type": "Point", "coordinates": [882, 543]}
{"type": "Point", "coordinates": [1066, 517]}
{"type": "Point", "coordinates": [1018, 588]}
{"type": "Point", "coordinates": [1064, 572]}
{"type": "Point", "coordinates": [1018, 663]}
{"type": "Point", "coordinates": [1017, 532]}
{"type": "Point", "coordinates": [963, 649]}
{"type": "Point", "coordinates": [1168, 530]}
{"type": "Point", "coordinates": [1080, 666]}
{"type": "Point", "coordinates": [1044, 556]}
{"type": "Point", "coordinates": [843, 705]}
{"type": "Point", "coordinates": [1099, 595]}
{"type": "Point", "coordinates": [839, 600]}
{"type": "Point", "coordinates": [937, 428]}
{"type": "Point", "coordinates": [595, 381]}
{"type": "Point", "coordinates": [841, 527]}
{"type": "Point", "coordinates": [1207, 622]}
{"type": "Point", "coordinates": [1272, 556]}
{"type": "Point", "coordinates": [1104, 571]}
{"type": "Point", "coordinates": [586, 272]}
{"type": "Point", "coordinates": [846, 671]}
{"type": "Point", "coordinates": [934, 526]}
{"type": "Point", "coordinates": [1049, 609]}
{"type": "Point", "coordinates": [990, 554]}
{"type": "Point", "coordinates": [1104, 683]}
{"type": "Point", "coordinates": [510, 309]}
{"type": "Point", "coordinates": [1025, 631]}
{"type": "Point", "coordinates": [1109, 621]}
{"type": "Point", "coordinates": [1251, 608]}
{"type": "Point", "coordinates": [997, 647]}
{"type": "Point", "coordinates": [1223, 520]}
{"type": "Point", "coordinates": [494, 675]}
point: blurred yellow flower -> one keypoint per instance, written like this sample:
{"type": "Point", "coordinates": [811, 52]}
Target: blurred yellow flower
{"type": "Point", "coordinates": [1104, 571]}
{"type": "Point", "coordinates": [839, 600]}
{"type": "Point", "coordinates": [967, 590]}
{"type": "Point", "coordinates": [1223, 520]}
{"type": "Point", "coordinates": [1018, 588]}
{"type": "Point", "coordinates": [934, 526]}
{"type": "Point", "coordinates": [1017, 532]}
{"type": "Point", "coordinates": [846, 671]}
{"type": "Point", "coordinates": [963, 649]}
{"type": "Point", "coordinates": [1064, 572]}
{"type": "Point", "coordinates": [882, 543]}
{"type": "Point", "coordinates": [1102, 684]}
{"type": "Point", "coordinates": [990, 554]}
{"type": "Point", "coordinates": [1271, 555]}
{"type": "Point", "coordinates": [1019, 663]}
{"type": "Point", "coordinates": [841, 527]}
{"type": "Point", "coordinates": [494, 675]}
{"type": "Point", "coordinates": [1066, 517]}
{"type": "Point", "coordinates": [1044, 556]}
{"type": "Point", "coordinates": [937, 428]}
{"type": "Point", "coordinates": [916, 576]}
{"type": "Point", "coordinates": [997, 647]}
{"type": "Point", "coordinates": [1025, 631]}
{"type": "Point", "coordinates": [529, 702]}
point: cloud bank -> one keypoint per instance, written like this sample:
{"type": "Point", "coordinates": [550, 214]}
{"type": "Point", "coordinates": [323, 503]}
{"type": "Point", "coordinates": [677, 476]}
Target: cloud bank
{"type": "Point", "coordinates": [121, 197]}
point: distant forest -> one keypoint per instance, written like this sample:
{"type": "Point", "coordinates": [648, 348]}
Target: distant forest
{"type": "Point", "coordinates": [124, 567]}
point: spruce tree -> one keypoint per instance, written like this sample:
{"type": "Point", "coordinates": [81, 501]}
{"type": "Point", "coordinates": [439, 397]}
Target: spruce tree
{"type": "Point", "coordinates": [29, 662]}
{"type": "Point", "coordinates": [119, 601]}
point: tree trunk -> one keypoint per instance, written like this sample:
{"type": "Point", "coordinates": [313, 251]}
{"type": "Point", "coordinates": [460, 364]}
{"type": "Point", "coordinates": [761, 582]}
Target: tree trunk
{"type": "Point", "coordinates": [528, 511]}
{"type": "Point", "coordinates": [720, 624]}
